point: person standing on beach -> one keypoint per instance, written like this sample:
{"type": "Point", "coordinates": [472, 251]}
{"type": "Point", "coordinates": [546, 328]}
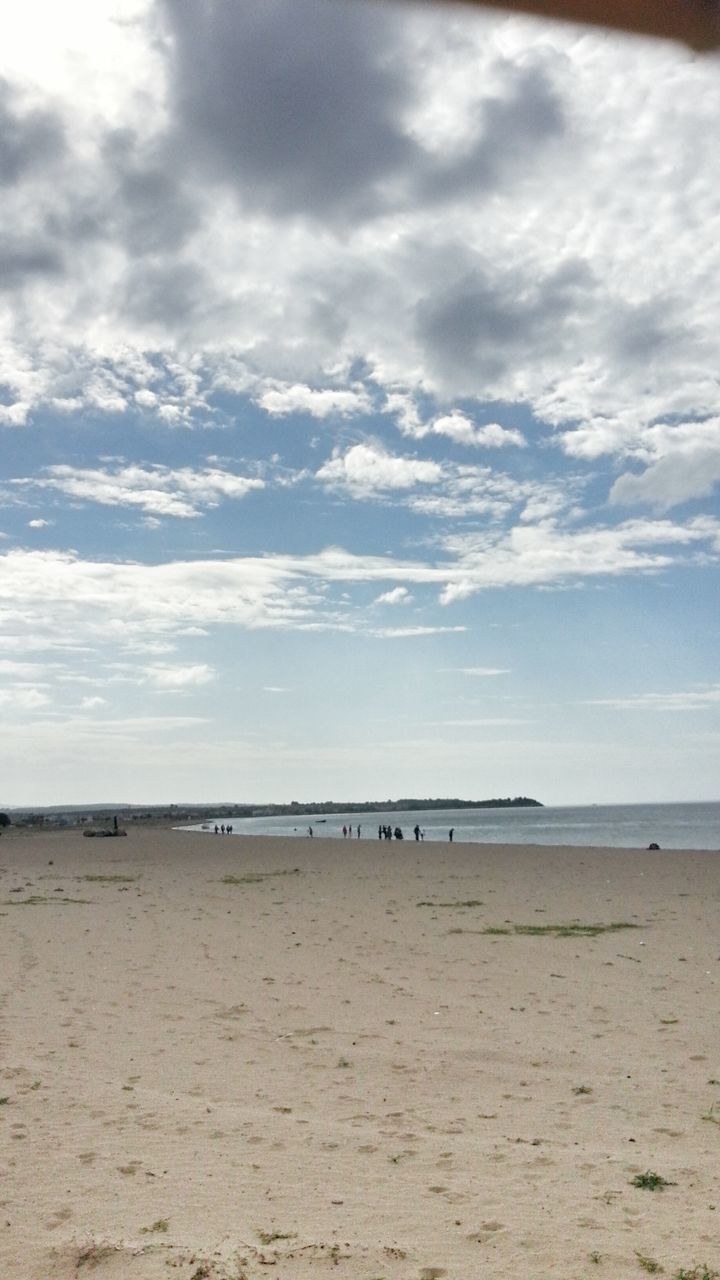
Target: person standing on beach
{"type": "Point", "coordinates": [358, 834]}
{"type": "Point", "coordinates": [451, 833]}
{"type": "Point", "coordinates": [310, 833]}
{"type": "Point", "coordinates": [416, 829]}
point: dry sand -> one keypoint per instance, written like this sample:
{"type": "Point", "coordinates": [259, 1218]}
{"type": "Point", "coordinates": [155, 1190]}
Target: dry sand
{"type": "Point", "coordinates": [329, 1068]}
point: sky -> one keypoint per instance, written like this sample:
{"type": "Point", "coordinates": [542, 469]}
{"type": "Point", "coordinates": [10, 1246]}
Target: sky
{"type": "Point", "coordinates": [359, 406]}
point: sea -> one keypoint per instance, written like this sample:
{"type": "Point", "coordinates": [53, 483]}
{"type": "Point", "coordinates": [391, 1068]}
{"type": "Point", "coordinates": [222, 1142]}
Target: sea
{"type": "Point", "coordinates": [628, 826]}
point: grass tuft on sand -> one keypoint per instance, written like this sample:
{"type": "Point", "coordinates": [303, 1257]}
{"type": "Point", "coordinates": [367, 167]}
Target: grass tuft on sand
{"type": "Point", "coordinates": [574, 930]}
{"type": "Point", "coordinates": [257, 877]}
{"type": "Point", "coordinates": [651, 1181]}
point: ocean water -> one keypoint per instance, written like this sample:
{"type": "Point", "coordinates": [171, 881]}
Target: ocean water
{"type": "Point", "coordinates": [632, 826]}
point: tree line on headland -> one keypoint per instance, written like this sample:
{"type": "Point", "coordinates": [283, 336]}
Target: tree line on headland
{"type": "Point", "coordinates": [386, 806]}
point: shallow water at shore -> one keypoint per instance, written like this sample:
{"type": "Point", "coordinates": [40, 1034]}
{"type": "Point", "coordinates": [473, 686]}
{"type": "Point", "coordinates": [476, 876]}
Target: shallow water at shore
{"type": "Point", "coordinates": [672, 826]}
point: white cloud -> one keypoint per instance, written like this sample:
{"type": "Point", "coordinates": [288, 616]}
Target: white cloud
{"type": "Point", "coordinates": [181, 493]}
{"type": "Point", "coordinates": [458, 427]}
{"type": "Point", "coordinates": [325, 402]}
{"type": "Point", "coordinates": [401, 633]}
{"type": "Point", "coordinates": [39, 524]}
{"type": "Point", "coordinates": [365, 469]}
{"type": "Point", "coordinates": [23, 699]}
{"type": "Point", "coordinates": [18, 670]}
{"type": "Point", "coordinates": [491, 722]}
{"type": "Point", "coordinates": [682, 463]}
{"type": "Point", "coordinates": [495, 270]}
{"type": "Point", "coordinates": [480, 671]}
{"type": "Point", "coordinates": [398, 595]}
{"type": "Point", "coordinates": [179, 677]}
{"type": "Point", "coordinates": [130, 603]}
{"type": "Point", "coordinates": [699, 699]}
{"type": "Point", "coordinates": [93, 703]}
{"type": "Point", "coordinates": [405, 411]}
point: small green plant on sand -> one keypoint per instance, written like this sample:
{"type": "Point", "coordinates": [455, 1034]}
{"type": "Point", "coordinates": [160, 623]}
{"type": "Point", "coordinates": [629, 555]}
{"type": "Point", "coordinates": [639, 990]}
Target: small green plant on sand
{"type": "Point", "coordinates": [4, 1101]}
{"type": "Point", "coordinates": [109, 879]}
{"type": "Point", "coordinates": [36, 900]}
{"type": "Point", "coordinates": [697, 1273]}
{"type": "Point", "coordinates": [161, 1224]}
{"type": "Point", "coordinates": [650, 1181]}
{"type": "Point", "coordinates": [575, 930]}
{"type": "Point", "coordinates": [93, 1254]}
{"type": "Point", "coordinates": [581, 1088]}
{"type": "Point", "coordinates": [595, 1255]}
{"type": "Point", "coordinates": [471, 902]}
{"type": "Point", "coordinates": [647, 1264]}
{"type": "Point", "coordinates": [269, 1237]}
{"type": "Point", "coordinates": [710, 1114]}
{"type": "Point", "coordinates": [257, 877]}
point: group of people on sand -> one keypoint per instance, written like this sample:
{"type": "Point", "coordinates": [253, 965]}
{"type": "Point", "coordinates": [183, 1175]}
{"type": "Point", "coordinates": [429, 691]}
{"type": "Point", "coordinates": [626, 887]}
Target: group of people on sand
{"type": "Point", "coordinates": [348, 831]}
{"type": "Point", "coordinates": [225, 829]}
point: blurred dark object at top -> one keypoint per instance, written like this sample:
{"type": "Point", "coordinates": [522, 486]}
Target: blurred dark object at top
{"type": "Point", "coordinates": [696, 22]}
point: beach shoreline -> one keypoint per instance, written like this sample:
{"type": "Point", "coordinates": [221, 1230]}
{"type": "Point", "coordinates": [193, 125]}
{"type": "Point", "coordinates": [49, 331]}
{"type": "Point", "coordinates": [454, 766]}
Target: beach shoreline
{"type": "Point", "coordinates": [280, 1056]}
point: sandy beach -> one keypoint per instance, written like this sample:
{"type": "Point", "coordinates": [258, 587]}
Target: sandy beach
{"type": "Point", "coordinates": [240, 1058]}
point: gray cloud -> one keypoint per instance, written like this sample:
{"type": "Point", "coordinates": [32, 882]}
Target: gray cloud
{"type": "Point", "coordinates": [165, 292]}
{"type": "Point", "coordinates": [476, 329]}
{"type": "Point", "coordinates": [26, 257]}
{"type": "Point", "coordinates": [28, 139]}
{"type": "Point", "coordinates": [149, 209]}
{"type": "Point", "coordinates": [304, 109]}
{"type": "Point", "coordinates": [510, 128]}
{"type": "Point", "coordinates": [297, 105]}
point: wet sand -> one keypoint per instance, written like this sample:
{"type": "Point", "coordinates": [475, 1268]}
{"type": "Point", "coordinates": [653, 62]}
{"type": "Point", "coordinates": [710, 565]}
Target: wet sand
{"type": "Point", "coordinates": [234, 1057]}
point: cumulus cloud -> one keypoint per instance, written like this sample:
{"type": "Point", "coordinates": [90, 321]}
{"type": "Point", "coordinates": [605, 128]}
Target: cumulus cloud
{"type": "Point", "coordinates": [398, 595]}
{"type": "Point", "coordinates": [462, 430]}
{"type": "Point", "coordinates": [324, 402]}
{"type": "Point", "coordinates": [683, 463]}
{"type": "Point", "coordinates": [260, 192]}
{"type": "Point", "coordinates": [365, 469]}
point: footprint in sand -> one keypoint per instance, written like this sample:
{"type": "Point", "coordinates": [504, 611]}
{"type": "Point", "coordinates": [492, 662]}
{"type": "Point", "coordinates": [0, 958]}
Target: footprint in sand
{"type": "Point", "coordinates": [57, 1219]}
{"type": "Point", "coordinates": [486, 1231]}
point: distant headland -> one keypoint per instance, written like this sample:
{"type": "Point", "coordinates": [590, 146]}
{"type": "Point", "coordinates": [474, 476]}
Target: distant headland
{"type": "Point", "coordinates": [78, 815]}
{"type": "Point", "coordinates": [388, 806]}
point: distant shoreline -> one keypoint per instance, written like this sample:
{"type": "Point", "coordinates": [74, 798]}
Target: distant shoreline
{"type": "Point", "coordinates": [87, 814]}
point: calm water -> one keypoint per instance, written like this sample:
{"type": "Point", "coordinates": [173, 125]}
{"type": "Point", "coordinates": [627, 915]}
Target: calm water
{"type": "Point", "coordinates": [672, 826]}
